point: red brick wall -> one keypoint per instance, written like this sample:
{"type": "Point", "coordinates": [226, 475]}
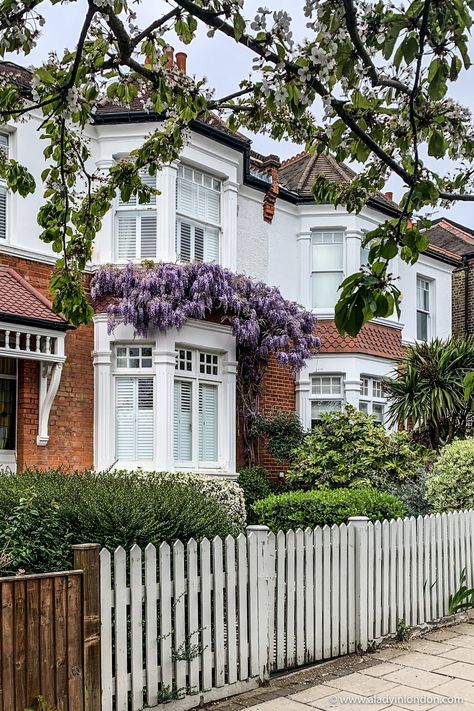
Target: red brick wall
{"type": "Point", "coordinates": [71, 420]}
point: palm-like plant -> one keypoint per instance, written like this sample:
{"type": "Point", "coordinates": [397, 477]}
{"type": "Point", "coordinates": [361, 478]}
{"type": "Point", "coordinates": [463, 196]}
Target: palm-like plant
{"type": "Point", "coordinates": [427, 391]}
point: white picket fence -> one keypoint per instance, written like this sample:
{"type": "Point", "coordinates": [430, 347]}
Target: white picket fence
{"type": "Point", "coordinates": [205, 621]}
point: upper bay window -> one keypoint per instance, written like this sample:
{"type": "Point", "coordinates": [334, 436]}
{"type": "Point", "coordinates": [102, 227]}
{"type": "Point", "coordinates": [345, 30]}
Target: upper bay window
{"type": "Point", "coordinates": [7, 404]}
{"type": "Point", "coordinates": [196, 399]}
{"type": "Point", "coordinates": [198, 216]}
{"type": "Point", "coordinates": [4, 145]}
{"type": "Point", "coordinates": [136, 226]}
{"type": "Point", "coordinates": [327, 267]}
{"type": "Point", "coordinates": [423, 308]}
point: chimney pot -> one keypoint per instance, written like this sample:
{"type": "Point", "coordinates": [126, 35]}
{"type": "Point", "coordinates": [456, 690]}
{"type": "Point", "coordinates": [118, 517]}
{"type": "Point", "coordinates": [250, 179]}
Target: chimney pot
{"type": "Point", "coordinates": [169, 52]}
{"type": "Point", "coordinates": [181, 58]}
{"type": "Point", "coordinates": [389, 195]}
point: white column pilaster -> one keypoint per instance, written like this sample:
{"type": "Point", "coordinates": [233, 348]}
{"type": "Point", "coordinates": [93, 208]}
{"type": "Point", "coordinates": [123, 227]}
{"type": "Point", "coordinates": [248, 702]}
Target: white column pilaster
{"type": "Point", "coordinates": [165, 361]}
{"type": "Point", "coordinates": [303, 402]}
{"type": "Point", "coordinates": [166, 204]}
{"type": "Point", "coordinates": [303, 246]}
{"type": "Point", "coordinates": [227, 433]}
{"type": "Point", "coordinates": [352, 392]}
{"type": "Point", "coordinates": [104, 439]}
{"type": "Point", "coordinates": [104, 246]}
{"type": "Point", "coordinates": [353, 242]}
{"type": "Point", "coordinates": [229, 225]}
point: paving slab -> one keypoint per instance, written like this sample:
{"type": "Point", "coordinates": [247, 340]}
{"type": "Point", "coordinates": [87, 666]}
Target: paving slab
{"type": "Point", "coordinates": [353, 701]}
{"type": "Point", "coordinates": [282, 704]}
{"type": "Point", "coordinates": [408, 697]}
{"type": "Point", "coordinates": [428, 646]}
{"type": "Point", "coordinates": [465, 628]}
{"type": "Point", "coordinates": [460, 654]}
{"type": "Point", "coordinates": [313, 693]}
{"type": "Point", "coordinates": [463, 640]}
{"type": "Point", "coordinates": [418, 660]}
{"type": "Point", "coordinates": [442, 635]}
{"type": "Point", "coordinates": [457, 688]}
{"type": "Point", "coordinates": [362, 685]}
{"type": "Point", "coordinates": [382, 669]}
{"type": "Point", "coordinates": [417, 678]}
{"type": "Point", "coordinates": [458, 670]}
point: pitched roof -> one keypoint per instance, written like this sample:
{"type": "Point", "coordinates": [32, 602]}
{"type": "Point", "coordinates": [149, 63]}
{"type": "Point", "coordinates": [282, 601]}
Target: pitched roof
{"type": "Point", "coordinates": [451, 236]}
{"type": "Point", "coordinates": [374, 339]}
{"type": "Point", "coordinates": [21, 76]}
{"type": "Point", "coordinates": [299, 173]}
{"type": "Point", "coordinates": [20, 300]}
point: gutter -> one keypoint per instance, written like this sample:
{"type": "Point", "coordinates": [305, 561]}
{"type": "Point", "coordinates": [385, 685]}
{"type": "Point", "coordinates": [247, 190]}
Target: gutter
{"type": "Point", "coordinates": [35, 322]}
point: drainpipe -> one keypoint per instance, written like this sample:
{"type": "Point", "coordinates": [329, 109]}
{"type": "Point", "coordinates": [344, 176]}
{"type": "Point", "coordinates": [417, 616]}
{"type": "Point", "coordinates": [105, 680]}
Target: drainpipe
{"type": "Point", "coordinates": [465, 263]}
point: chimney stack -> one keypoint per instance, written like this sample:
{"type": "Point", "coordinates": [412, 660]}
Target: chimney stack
{"type": "Point", "coordinates": [181, 58]}
{"type": "Point", "coordinates": [389, 195]}
{"type": "Point", "coordinates": [169, 52]}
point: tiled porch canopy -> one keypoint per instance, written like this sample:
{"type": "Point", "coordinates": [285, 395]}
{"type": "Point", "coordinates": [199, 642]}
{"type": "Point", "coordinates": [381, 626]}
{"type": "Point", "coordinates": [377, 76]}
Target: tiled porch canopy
{"type": "Point", "coordinates": [29, 329]}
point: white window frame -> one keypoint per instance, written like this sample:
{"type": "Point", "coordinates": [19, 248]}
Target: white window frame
{"type": "Point", "coordinates": [426, 312]}
{"type": "Point", "coordinates": [5, 145]}
{"type": "Point", "coordinates": [195, 377]}
{"type": "Point", "coordinates": [140, 373]}
{"type": "Point", "coordinates": [195, 180]}
{"type": "Point", "coordinates": [372, 397]}
{"type": "Point", "coordinates": [134, 208]}
{"type": "Point", "coordinates": [335, 396]}
{"type": "Point", "coordinates": [315, 235]}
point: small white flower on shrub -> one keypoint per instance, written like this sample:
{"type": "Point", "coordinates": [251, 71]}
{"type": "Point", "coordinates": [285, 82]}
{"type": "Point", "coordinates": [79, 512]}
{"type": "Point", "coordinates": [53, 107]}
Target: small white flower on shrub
{"type": "Point", "coordinates": [227, 493]}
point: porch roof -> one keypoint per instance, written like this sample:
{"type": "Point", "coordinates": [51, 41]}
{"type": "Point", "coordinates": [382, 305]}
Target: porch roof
{"type": "Point", "coordinates": [21, 303]}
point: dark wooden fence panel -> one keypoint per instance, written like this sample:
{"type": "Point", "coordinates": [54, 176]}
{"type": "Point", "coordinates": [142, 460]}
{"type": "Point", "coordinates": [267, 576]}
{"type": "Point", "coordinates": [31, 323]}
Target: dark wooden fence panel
{"type": "Point", "coordinates": [41, 641]}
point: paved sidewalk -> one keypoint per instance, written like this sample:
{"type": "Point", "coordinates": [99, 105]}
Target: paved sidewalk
{"type": "Point", "coordinates": [434, 671]}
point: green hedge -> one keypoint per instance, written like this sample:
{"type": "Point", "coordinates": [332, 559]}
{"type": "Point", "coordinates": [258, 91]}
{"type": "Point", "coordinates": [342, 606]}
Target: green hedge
{"type": "Point", "coordinates": [107, 508]}
{"type": "Point", "coordinates": [302, 509]}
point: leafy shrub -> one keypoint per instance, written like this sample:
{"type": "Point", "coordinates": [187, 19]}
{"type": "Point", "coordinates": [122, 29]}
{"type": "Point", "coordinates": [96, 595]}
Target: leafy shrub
{"type": "Point", "coordinates": [349, 448]}
{"type": "Point", "coordinates": [450, 484]}
{"type": "Point", "coordinates": [284, 432]}
{"type": "Point", "coordinates": [114, 509]}
{"type": "Point", "coordinates": [256, 485]}
{"type": "Point", "coordinates": [302, 509]}
{"type": "Point", "coordinates": [34, 538]}
{"type": "Point", "coordinates": [227, 493]}
{"type": "Point", "coordinates": [413, 494]}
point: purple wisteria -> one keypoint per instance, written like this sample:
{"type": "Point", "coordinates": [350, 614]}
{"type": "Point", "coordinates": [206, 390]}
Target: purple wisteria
{"type": "Point", "coordinates": [165, 296]}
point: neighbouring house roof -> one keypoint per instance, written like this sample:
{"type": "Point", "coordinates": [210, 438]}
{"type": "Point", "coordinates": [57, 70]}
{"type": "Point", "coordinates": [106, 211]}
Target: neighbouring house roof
{"type": "Point", "coordinates": [451, 237]}
{"type": "Point", "coordinates": [22, 303]}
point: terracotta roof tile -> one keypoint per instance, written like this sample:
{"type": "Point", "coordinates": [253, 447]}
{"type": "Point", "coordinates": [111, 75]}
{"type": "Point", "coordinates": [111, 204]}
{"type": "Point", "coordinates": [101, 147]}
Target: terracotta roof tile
{"type": "Point", "coordinates": [19, 299]}
{"type": "Point", "coordinates": [374, 339]}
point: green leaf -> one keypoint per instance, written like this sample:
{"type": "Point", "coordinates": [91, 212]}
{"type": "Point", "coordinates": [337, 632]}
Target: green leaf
{"type": "Point", "coordinates": [239, 26]}
{"type": "Point", "coordinates": [437, 144]}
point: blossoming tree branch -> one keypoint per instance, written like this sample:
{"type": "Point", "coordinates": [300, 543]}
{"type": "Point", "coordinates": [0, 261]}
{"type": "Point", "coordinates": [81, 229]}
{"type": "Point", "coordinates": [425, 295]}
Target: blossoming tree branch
{"type": "Point", "coordinates": [381, 69]}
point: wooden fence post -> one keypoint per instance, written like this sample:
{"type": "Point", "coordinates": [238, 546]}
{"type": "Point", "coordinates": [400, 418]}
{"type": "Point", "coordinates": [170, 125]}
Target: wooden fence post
{"type": "Point", "coordinates": [263, 595]}
{"type": "Point", "coordinates": [359, 524]}
{"type": "Point", "coordinates": [86, 558]}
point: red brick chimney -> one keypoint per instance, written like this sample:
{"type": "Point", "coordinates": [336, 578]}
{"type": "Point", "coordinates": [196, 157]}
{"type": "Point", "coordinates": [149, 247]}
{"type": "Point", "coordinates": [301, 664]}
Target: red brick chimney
{"type": "Point", "coordinates": [181, 58]}
{"type": "Point", "coordinates": [169, 52]}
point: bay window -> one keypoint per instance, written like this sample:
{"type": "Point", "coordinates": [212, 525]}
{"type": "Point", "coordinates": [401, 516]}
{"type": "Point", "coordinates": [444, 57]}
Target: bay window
{"type": "Point", "coordinates": [196, 408]}
{"type": "Point", "coordinates": [423, 305]}
{"type": "Point", "coordinates": [326, 395]}
{"type": "Point", "coordinates": [327, 267]}
{"type": "Point", "coordinates": [198, 216]}
{"type": "Point", "coordinates": [372, 398]}
{"type": "Point", "coordinates": [134, 404]}
{"type": "Point", "coordinates": [3, 190]}
{"type": "Point", "coordinates": [136, 226]}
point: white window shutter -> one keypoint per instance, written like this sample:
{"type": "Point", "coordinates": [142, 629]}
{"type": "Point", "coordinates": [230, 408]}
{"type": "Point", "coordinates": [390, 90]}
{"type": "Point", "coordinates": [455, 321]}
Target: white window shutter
{"type": "Point", "coordinates": [148, 236]}
{"type": "Point", "coordinates": [208, 422]}
{"type": "Point", "coordinates": [145, 419]}
{"type": "Point", "coordinates": [125, 445]}
{"type": "Point", "coordinates": [4, 142]}
{"type": "Point", "coordinates": [126, 236]}
{"type": "Point", "coordinates": [198, 244]}
{"type": "Point", "coordinates": [3, 213]}
{"type": "Point", "coordinates": [211, 246]}
{"type": "Point", "coordinates": [213, 209]}
{"type": "Point", "coordinates": [149, 180]}
{"type": "Point", "coordinates": [183, 431]}
{"type": "Point", "coordinates": [186, 202]}
{"type": "Point", "coordinates": [183, 248]}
